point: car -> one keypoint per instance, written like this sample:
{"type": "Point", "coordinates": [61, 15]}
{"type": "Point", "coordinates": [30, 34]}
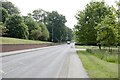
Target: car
{"type": "Point", "coordinates": [68, 42]}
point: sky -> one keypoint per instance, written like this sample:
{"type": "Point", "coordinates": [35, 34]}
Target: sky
{"type": "Point", "coordinates": [68, 8]}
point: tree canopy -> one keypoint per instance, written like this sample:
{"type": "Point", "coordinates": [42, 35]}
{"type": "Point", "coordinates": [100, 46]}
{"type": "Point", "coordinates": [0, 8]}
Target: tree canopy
{"type": "Point", "coordinates": [88, 19]}
{"type": "Point", "coordinates": [10, 7]}
{"type": "Point", "coordinates": [56, 27]}
{"type": "Point", "coordinates": [16, 27]}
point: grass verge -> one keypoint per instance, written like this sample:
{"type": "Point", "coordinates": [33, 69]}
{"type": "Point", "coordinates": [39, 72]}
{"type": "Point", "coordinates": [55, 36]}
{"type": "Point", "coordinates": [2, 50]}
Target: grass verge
{"type": "Point", "coordinates": [5, 40]}
{"type": "Point", "coordinates": [105, 55]}
{"type": "Point", "coordinates": [97, 68]}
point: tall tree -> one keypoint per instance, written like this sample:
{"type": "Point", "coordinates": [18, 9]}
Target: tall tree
{"type": "Point", "coordinates": [69, 32]}
{"type": "Point", "coordinates": [107, 31]}
{"type": "Point", "coordinates": [56, 27]}
{"type": "Point", "coordinates": [16, 27]}
{"type": "Point", "coordinates": [10, 7]}
{"type": "Point", "coordinates": [118, 22]}
{"type": "Point", "coordinates": [88, 19]}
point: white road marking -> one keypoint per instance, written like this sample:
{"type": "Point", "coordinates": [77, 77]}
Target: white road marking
{"type": "Point", "coordinates": [2, 72]}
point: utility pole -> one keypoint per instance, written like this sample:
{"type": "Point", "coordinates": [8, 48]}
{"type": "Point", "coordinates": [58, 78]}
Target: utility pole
{"type": "Point", "coordinates": [52, 33]}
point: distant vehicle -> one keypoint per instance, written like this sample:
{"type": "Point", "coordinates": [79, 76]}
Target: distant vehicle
{"type": "Point", "coordinates": [68, 42]}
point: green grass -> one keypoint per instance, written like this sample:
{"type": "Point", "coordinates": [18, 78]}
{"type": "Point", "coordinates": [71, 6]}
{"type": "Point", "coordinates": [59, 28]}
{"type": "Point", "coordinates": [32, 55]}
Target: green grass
{"type": "Point", "coordinates": [97, 68]}
{"type": "Point", "coordinates": [103, 54]}
{"type": "Point", "coordinates": [5, 40]}
{"type": "Point", "coordinates": [87, 47]}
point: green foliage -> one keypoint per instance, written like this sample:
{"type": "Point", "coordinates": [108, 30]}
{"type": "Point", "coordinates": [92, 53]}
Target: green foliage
{"type": "Point", "coordinates": [35, 34]}
{"type": "Point", "coordinates": [16, 27]}
{"type": "Point", "coordinates": [10, 7]}
{"type": "Point", "coordinates": [29, 21]}
{"type": "Point", "coordinates": [69, 34]}
{"type": "Point", "coordinates": [107, 31]}
{"type": "Point", "coordinates": [44, 32]}
{"type": "Point", "coordinates": [118, 25]}
{"type": "Point", "coordinates": [88, 19]}
{"type": "Point", "coordinates": [118, 22]}
{"type": "Point", "coordinates": [4, 14]}
{"type": "Point", "coordinates": [36, 25]}
{"type": "Point", "coordinates": [39, 15]}
{"type": "Point", "coordinates": [33, 27]}
{"type": "Point", "coordinates": [56, 26]}
{"type": "Point", "coordinates": [37, 31]}
{"type": "Point", "coordinates": [105, 55]}
{"type": "Point", "coordinates": [2, 29]}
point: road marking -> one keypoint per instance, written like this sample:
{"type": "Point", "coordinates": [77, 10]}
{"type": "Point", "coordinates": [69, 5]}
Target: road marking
{"type": "Point", "coordinates": [2, 72]}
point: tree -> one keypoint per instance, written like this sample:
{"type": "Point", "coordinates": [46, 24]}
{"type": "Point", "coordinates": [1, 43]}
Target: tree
{"type": "Point", "coordinates": [33, 26]}
{"type": "Point", "coordinates": [88, 19]}
{"type": "Point", "coordinates": [4, 14]}
{"type": "Point", "coordinates": [118, 22]}
{"type": "Point", "coordinates": [35, 34]}
{"type": "Point", "coordinates": [107, 31]}
{"type": "Point", "coordinates": [44, 32]}
{"type": "Point", "coordinates": [39, 15]}
{"type": "Point", "coordinates": [69, 32]}
{"type": "Point", "coordinates": [16, 27]}
{"type": "Point", "coordinates": [10, 7]}
{"type": "Point", "coordinates": [56, 26]}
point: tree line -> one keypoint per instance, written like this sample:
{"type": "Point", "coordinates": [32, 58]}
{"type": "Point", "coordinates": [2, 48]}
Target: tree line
{"type": "Point", "coordinates": [38, 25]}
{"type": "Point", "coordinates": [98, 24]}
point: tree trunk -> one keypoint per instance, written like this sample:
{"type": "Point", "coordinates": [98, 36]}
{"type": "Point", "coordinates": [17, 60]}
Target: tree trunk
{"type": "Point", "coordinates": [99, 47]}
{"type": "Point", "coordinates": [109, 48]}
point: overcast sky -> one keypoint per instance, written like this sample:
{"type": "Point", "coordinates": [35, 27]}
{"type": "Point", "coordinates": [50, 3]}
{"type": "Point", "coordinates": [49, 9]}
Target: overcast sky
{"type": "Point", "coordinates": [66, 7]}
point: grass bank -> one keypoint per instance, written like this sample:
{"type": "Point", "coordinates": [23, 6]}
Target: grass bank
{"type": "Point", "coordinates": [97, 68]}
{"type": "Point", "coordinates": [6, 40]}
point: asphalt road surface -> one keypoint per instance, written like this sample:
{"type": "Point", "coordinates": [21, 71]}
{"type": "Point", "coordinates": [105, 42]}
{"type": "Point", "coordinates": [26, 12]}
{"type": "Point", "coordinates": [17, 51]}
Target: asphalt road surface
{"type": "Point", "coordinates": [54, 62]}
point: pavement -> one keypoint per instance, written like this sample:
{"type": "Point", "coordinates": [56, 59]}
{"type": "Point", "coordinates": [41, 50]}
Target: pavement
{"type": "Point", "coordinates": [49, 62]}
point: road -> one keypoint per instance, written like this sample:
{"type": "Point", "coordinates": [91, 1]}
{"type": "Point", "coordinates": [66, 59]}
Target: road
{"type": "Point", "coordinates": [54, 62]}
